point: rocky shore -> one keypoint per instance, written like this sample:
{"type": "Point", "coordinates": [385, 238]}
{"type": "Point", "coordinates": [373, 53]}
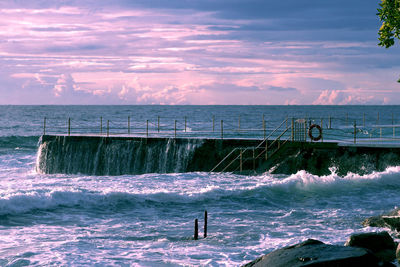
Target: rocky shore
{"type": "Point", "coordinates": [364, 249]}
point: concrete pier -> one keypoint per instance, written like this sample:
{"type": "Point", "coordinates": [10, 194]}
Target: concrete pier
{"type": "Point", "coordinates": [99, 155]}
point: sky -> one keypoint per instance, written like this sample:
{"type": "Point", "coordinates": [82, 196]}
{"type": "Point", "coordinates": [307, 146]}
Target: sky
{"type": "Point", "coordinates": [197, 52]}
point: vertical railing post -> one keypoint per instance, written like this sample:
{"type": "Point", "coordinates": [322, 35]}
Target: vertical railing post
{"type": "Point", "coordinates": [292, 129]}
{"type": "Point", "coordinates": [287, 118]}
{"type": "Point", "coordinates": [322, 132]}
{"type": "Point", "coordinates": [330, 122]}
{"type": "Point", "coordinates": [129, 125]}
{"type": "Point", "coordinates": [185, 123]}
{"type": "Point", "coordinates": [393, 123]}
{"type": "Point", "coordinates": [147, 128]}
{"type": "Point", "coordinates": [44, 126]}
{"type": "Point", "coordinates": [305, 130]}
{"type": "Point", "coordinates": [101, 125]}
{"type": "Point", "coordinates": [266, 149]}
{"type": "Point", "coordinates": [264, 129]}
{"type": "Point", "coordinates": [69, 126]}
{"type": "Point", "coordinates": [158, 123]}
{"type": "Point", "coordinates": [108, 128]}
{"type": "Point", "coordinates": [355, 132]}
{"type": "Point", "coordinates": [175, 129]}
{"type": "Point", "coordinates": [222, 129]}
{"type": "Point", "coordinates": [364, 119]}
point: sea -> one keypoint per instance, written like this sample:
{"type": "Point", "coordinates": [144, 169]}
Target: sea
{"type": "Point", "coordinates": [148, 219]}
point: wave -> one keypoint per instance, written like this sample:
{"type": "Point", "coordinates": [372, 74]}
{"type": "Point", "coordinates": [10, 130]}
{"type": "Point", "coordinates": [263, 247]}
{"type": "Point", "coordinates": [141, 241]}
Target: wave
{"type": "Point", "coordinates": [260, 190]}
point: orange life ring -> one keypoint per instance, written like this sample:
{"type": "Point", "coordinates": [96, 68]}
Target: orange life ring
{"type": "Point", "coordinates": [310, 132]}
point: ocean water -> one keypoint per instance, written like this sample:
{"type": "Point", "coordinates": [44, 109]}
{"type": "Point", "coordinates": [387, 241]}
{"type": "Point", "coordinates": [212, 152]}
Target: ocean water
{"type": "Point", "coordinates": [148, 219]}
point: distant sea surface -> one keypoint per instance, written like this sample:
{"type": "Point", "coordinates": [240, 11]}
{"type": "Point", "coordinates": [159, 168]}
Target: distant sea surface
{"type": "Point", "coordinates": [148, 219]}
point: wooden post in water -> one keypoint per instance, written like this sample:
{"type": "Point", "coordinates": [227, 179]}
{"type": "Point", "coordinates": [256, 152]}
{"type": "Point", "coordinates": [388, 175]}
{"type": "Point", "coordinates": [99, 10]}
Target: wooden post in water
{"type": "Point", "coordinates": [239, 123]}
{"type": "Point", "coordinates": [44, 126]}
{"type": "Point", "coordinates": [355, 132]}
{"type": "Point", "coordinates": [222, 129]}
{"type": "Point", "coordinates": [205, 223]}
{"type": "Point", "coordinates": [174, 128]}
{"type": "Point", "coordinates": [213, 123]}
{"type": "Point", "coordinates": [196, 229]}
{"type": "Point", "coordinates": [69, 126]}
{"type": "Point", "coordinates": [185, 123]}
{"type": "Point", "coordinates": [108, 128]}
{"type": "Point", "coordinates": [101, 125]}
{"type": "Point", "coordinates": [158, 123]}
{"type": "Point", "coordinates": [129, 125]}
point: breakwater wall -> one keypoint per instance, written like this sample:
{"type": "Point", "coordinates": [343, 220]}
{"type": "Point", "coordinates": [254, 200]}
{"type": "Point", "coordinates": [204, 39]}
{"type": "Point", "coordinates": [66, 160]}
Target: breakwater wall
{"type": "Point", "coordinates": [131, 155]}
{"type": "Point", "coordinates": [97, 155]}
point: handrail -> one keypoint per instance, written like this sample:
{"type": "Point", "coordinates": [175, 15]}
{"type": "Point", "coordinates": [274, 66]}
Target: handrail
{"type": "Point", "coordinates": [247, 148]}
{"type": "Point", "coordinates": [272, 132]}
{"type": "Point", "coordinates": [230, 163]}
{"type": "Point", "coordinates": [279, 137]}
{"type": "Point", "coordinates": [273, 153]}
{"type": "Point", "coordinates": [270, 145]}
{"type": "Point", "coordinates": [233, 150]}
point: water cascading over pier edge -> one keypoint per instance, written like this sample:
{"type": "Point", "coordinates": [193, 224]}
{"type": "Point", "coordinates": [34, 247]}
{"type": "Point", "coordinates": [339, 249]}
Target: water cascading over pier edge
{"type": "Point", "coordinates": [113, 156]}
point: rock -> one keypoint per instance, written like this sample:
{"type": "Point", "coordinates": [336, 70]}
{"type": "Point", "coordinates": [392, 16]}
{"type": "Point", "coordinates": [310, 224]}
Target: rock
{"type": "Point", "coordinates": [381, 244]}
{"type": "Point", "coordinates": [315, 253]}
{"type": "Point", "coordinates": [398, 253]}
{"type": "Point", "coordinates": [388, 220]}
{"type": "Point", "coordinates": [393, 222]}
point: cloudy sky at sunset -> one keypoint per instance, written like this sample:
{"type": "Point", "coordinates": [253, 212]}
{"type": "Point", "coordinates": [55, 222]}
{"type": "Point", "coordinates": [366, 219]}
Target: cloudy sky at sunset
{"type": "Point", "coordinates": [195, 52]}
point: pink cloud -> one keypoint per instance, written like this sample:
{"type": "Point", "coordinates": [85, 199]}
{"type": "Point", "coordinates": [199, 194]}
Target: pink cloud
{"type": "Point", "coordinates": [339, 97]}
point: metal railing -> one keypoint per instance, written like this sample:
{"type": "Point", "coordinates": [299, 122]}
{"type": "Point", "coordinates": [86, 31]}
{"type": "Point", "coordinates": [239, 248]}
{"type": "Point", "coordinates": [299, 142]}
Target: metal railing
{"type": "Point", "coordinates": [265, 148]}
{"type": "Point", "coordinates": [341, 130]}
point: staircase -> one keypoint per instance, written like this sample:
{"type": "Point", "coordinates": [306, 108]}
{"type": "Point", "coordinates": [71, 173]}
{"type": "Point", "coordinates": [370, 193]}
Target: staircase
{"type": "Point", "coordinates": [243, 159]}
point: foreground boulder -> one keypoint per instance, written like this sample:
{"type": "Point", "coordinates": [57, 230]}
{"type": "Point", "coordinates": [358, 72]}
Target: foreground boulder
{"type": "Point", "coordinates": [315, 253]}
{"type": "Point", "coordinates": [380, 244]}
